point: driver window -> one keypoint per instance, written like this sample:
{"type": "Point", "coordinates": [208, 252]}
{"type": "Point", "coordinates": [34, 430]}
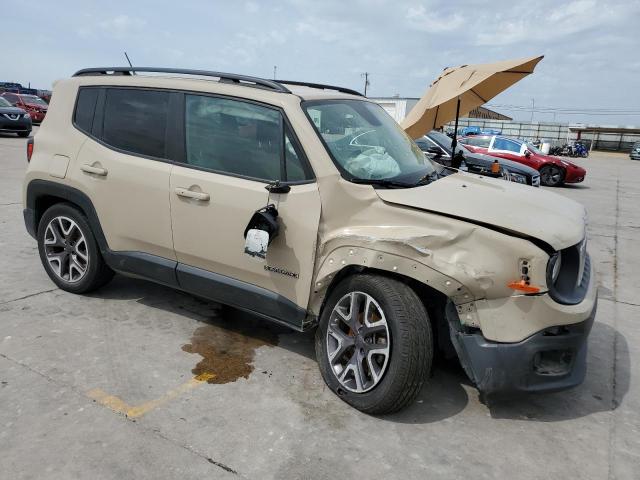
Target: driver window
{"type": "Point", "coordinates": [235, 137]}
{"type": "Point", "coordinates": [506, 145]}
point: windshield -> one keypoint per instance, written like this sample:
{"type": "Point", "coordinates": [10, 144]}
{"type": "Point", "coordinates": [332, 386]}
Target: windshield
{"type": "Point", "coordinates": [34, 99]}
{"type": "Point", "coordinates": [366, 143]}
{"type": "Point", "coordinates": [4, 103]}
{"type": "Point", "coordinates": [533, 149]}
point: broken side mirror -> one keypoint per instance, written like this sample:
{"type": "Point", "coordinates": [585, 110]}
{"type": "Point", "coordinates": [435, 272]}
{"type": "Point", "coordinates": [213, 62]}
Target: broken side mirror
{"type": "Point", "coordinates": [260, 232]}
{"type": "Point", "coordinates": [457, 159]}
{"type": "Point", "coordinates": [527, 153]}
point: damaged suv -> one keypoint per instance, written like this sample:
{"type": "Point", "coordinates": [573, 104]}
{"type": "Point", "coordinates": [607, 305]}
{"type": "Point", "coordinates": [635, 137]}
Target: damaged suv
{"type": "Point", "coordinates": [307, 205]}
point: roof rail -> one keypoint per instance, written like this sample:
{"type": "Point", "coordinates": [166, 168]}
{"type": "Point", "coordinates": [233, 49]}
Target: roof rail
{"type": "Point", "coordinates": [224, 77]}
{"type": "Point", "coordinates": [322, 86]}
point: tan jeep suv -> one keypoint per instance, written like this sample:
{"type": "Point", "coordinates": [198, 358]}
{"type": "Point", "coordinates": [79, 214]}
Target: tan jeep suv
{"type": "Point", "coordinates": [307, 205]}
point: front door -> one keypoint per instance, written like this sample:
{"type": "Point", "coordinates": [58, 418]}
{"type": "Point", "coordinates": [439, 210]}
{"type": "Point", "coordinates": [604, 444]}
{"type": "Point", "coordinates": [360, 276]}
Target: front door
{"type": "Point", "coordinates": [233, 150]}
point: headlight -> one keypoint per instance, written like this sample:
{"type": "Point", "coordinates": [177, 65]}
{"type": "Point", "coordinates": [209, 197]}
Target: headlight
{"type": "Point", "coordinates": [553, 268]}
{"type": "Point", "coordinates": [518, 178]}
{"type": "Point", "coordinates": [26, 115]}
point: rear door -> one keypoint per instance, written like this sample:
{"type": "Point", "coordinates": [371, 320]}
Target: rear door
{"type": "Point", "coordinates": [233, 150]}
{"type": "Point", "coordinates": [124, 168]}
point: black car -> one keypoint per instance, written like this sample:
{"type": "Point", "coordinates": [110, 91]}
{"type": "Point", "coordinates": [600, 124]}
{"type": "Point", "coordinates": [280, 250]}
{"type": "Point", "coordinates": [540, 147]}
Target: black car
{"type": "Point", "coordinates": [438, 147]}
{"type": "Point", "coordinates": [14, 119]}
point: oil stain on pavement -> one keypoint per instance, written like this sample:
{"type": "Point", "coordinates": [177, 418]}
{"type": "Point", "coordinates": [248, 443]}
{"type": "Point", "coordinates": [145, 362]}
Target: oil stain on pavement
{"type": "Point", "coordinates": [227, 348]}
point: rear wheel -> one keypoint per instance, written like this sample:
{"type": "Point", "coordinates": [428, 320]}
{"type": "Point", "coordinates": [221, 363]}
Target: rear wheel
{"type": "Point", "coordinates": [551, 176]}
{"type": "Point", "coordinates": [69, 251]}
{"type": "Point", "coordinates": [374, 344]}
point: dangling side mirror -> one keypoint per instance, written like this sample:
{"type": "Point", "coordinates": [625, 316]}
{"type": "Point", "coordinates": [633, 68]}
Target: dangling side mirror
{"type": "Point", "coordinates": [457, 159]}
{"type": "Point", "coordinates": [527, 153]}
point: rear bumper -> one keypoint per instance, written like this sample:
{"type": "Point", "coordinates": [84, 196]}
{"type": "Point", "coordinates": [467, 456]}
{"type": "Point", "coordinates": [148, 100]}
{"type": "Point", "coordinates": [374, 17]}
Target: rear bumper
{"type": "Point", "coordinates": [551, 360]}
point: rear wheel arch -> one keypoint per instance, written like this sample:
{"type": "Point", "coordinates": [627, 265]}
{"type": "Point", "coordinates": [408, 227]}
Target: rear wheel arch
{"type": "Point", "coordinates": [43, 194]}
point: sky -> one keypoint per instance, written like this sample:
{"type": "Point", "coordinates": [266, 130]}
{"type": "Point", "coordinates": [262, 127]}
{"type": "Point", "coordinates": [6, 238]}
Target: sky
{"type": "Point", "coordinates": [591, 65]}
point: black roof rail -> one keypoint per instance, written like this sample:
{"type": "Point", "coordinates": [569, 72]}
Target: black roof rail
{"type": "Point", "coordinates": [224, 77]}
{"type": "Point", "coordinates": [322, 86]}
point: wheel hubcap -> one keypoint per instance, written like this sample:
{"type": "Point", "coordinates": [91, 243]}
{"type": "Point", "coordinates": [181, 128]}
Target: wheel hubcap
{"type": "Point", "coordinates": [358, 342]}
{"type": "Point", "coordinates": [552, 175]}
{"type": "Point", "coordinates": [66, 249]}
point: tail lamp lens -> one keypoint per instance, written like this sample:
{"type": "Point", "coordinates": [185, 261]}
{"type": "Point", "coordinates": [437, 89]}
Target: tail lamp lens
{"type": "Point", "coordinates": [29, 149]}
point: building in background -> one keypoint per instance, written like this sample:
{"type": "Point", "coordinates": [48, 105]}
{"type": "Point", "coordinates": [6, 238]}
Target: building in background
{"type": "Point", "coordinates": [399, 107]}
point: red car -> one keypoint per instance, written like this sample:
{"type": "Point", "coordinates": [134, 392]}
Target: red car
{"type": "Point", "coordinates": [35, 106]}
{"type": "Point", "coordinates": [554, 171]}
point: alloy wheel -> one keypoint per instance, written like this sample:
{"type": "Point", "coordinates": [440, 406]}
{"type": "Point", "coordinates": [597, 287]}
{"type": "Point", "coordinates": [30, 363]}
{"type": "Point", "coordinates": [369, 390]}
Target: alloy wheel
{"type": "Point", "coordinates": [358, 342]}
{"type": "Point", "coordinates": [66, 249]}
{"type": "Point", "coordinates": [551, 175]}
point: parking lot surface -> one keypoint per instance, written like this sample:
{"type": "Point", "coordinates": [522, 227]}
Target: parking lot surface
{"type": "Point", "coordinates": [119, 383]}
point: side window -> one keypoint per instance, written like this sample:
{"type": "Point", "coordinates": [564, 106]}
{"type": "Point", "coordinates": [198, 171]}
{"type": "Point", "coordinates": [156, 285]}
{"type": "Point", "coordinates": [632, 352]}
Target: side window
{"type": "Point", "coordinates": [482, 142]}
{"type": "Point", "coordinates": [135, 120]}
{"type": "Point", "coordinates": [85, 108]}
{"type": "Point", "coordinates": [240, 138]}
{"type": "Point", "coordinates": [506, 145]}
{"type": "Point", "coordinates": [297, 170]}
{"type": "Point", "coordinates": [11, 98]}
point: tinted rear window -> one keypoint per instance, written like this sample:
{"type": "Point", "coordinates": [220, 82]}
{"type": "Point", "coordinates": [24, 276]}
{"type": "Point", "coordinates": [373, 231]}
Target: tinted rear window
{"type": "Point", "coordinates": [136, 120]}
{"type": "Point", "coordinates": [85, 108]}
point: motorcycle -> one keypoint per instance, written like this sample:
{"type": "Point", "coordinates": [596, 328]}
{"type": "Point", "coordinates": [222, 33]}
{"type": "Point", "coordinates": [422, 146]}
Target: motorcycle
{"type": "Point", "coordinates": [580, 150]}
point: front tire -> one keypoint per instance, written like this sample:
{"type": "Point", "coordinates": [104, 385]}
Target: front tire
{"type": "Point", "coordinates": [69, 251]}
{"type": "Point", "coordinates": [551, 176]}
{"type": "Point", "coordinates": [374, 344]}
{"type": "Point", "coordinates": [24, 134]}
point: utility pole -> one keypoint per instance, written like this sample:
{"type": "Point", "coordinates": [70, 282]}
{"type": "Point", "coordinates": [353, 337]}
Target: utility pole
{"type": "Point", "coordinates": [366, 81]}
{"type": "Point", "coordinates": [533, 105]}
{"type": "Point", "coordinates": [275, 69]}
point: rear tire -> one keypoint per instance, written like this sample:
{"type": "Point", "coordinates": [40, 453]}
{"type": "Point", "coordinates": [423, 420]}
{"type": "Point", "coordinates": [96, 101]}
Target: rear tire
{"type": "Point", "coordinates": [69, 251]}
{"type": "Point", "coordinates": [551, 176]}
{"type": "Point", "coordinates": [387, 383]}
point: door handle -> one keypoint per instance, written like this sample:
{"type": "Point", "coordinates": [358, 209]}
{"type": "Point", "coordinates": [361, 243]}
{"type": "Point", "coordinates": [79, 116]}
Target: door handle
{"type": "Point", "coordinates": [184, 192]}
{"type": "Point", "coordinates": [95, 170]}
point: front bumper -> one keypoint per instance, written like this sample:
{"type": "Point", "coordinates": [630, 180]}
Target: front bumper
{"type": "Point", "coordinates": [575, 175]}
{"type": "Point", "coordinates": [12, 126]}
{"type": "Point", "coordinates": [551, 360]}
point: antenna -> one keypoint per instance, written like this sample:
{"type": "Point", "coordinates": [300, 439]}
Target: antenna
{"type": "Point", "coordinates": [127, 57]}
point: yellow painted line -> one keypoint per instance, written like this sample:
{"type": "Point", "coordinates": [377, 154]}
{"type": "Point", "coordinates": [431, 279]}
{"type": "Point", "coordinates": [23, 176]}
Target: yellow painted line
{"type": "Point", "coordinates": [118, 405]}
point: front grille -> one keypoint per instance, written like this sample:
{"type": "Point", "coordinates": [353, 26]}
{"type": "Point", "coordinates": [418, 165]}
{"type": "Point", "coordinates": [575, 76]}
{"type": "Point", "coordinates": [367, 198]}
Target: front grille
{"type": "Point", "coordinates": [573, 276]}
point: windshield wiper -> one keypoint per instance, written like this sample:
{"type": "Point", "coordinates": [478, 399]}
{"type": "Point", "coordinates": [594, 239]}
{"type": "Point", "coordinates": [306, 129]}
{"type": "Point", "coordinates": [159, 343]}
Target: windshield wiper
{"type": "Point", "coordinates": [383, 182]}
{"type": "Point", "coordinates": [428, 178]}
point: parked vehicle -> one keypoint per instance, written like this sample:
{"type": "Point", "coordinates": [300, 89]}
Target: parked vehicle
{"type": "Point", "coordinates": [438, 147]}
{"type": "Point", "coordinates": [554, 171]}
{"type": "Point", "coordinates": [580, 150]}
{"type": "Point", "coordinates": [466, 131]}
{"type": "Point", "coordinates": [307, 205]}
{"type": "Point", "coordinates": [34, 106]}
{"type": "Point", "coordinates": [14, 120]}
{"type": "Point", "coordinates": [635, 151]}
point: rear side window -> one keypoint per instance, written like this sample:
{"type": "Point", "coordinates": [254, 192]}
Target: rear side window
{"type": "Point", "coordinates": [85, 109]}
{"type": "Point", "coordinates": [135, 120]}
{"type": "Point", "coordinates": [477, 141]}
{"type": "Point", "coordinates": [239, 138]}
{"type": "Point", "coordinates": [506, 145]}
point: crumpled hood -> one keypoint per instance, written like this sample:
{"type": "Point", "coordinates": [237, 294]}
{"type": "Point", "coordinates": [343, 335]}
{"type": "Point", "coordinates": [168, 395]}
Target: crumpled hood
{"type": "Point", "coordinates": [532, 212]}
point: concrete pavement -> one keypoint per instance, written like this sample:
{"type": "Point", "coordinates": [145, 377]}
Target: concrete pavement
{"type": "Point", "coordinates": [109, 386]}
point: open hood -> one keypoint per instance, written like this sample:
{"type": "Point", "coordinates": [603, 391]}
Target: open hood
{"type": "Point", "coordinates": [527, 211]}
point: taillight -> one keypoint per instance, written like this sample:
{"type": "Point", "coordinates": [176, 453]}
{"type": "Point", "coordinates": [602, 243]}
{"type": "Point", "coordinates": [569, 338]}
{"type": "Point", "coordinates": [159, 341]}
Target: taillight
{"type": "Point", "coordinates": [29, 148]}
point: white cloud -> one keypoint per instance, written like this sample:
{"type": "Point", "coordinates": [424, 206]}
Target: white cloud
{"type": "Point", "coordinates": [430, 21]}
